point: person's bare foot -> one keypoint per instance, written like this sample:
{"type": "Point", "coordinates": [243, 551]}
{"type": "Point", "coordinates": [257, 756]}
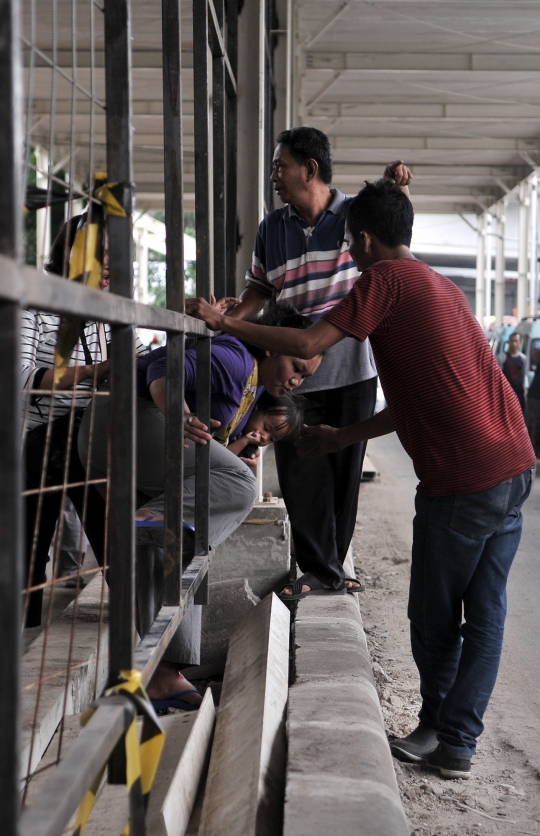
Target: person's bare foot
{"type": "Point", "coordinates": [168, 682]}
{"type": "Point", "coordinates": [349, 584]}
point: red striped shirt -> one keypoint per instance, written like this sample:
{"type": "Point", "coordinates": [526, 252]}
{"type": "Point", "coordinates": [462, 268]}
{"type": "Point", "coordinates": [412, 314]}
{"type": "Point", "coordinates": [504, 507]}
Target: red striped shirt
{"type": "Point", "coordinates": [454, 412]}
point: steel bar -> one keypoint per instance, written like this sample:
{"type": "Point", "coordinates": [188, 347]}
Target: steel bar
{"type": "Point", "coordinates": [32, 289]}
{"type": "Point", "coordinates": [232, 143]}
{"type": "Point", "coordinates": [11, 529]}
{"type": "Point", "coordinates": [121, 495]}
{"type": "Point", "coordinates": [480, 292]}
{"type": "Point", "coordinates": [174, 223]}
{"type": "Point", "coordinates": [73, 777]}
{"type": "Point", "coordinates": [153, 645]}
{"type": "Point", "coordinates": [218, 165]}
{"type": "Point", "coordinates": [203, 262]}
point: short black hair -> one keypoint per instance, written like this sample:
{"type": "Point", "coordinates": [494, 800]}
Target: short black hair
{"type": "Point", "coordinates": [383, 209]}
{"type": "Point", "coordinates": [309, 144]}
{"type": "Point", "coordinates": [290, 407]}
{"type": "Point", "coordinates": [277, 313]}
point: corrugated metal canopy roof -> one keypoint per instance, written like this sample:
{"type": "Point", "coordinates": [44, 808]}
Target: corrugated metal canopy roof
{"type": "Point", "coordinates": [452, 87]}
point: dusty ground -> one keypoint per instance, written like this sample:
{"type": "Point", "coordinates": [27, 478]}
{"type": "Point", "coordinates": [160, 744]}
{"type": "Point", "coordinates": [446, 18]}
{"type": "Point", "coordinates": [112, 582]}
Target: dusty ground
{"type": "Point", "coordinates": [503, 795]}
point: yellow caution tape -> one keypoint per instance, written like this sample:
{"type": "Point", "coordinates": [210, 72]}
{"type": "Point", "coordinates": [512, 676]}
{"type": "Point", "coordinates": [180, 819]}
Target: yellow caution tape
{"type": "Point", "coordinates": [86, 261]}
{"type": "Point", "coordinates": [142, 756]}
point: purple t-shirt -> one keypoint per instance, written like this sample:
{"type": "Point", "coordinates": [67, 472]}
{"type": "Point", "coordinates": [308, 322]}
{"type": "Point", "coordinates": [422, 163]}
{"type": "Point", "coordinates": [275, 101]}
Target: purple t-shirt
{"type": "Point", "coordinates": [231, 365]}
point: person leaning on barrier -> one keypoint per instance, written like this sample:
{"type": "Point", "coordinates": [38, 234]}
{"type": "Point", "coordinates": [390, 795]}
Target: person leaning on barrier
{"type": "Point", "coordinates": [300, 256]}
{"type": "Point", "coordinates": [39, 333]}
{"type": "Point", "coordinates": [240, 373]}
{"type": "Point", "coordinates": [458, 419]}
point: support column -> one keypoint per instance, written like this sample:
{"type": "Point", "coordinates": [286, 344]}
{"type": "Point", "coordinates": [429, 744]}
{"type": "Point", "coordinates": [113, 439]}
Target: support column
{"type": "Point", "coordinates": [480, 301]}
{"type": "Point", "coordinates": [141, 246]}
{"type": "Point", "coordinates": [523, 249]}
{"type": "Point", "coordinates": [488, 266]}
{"type": "Point", "coordinates": [533, 283]}
{"type": "Point", "coordinates": [500, 261]}
{"type": "Point", "coordinates": [43, 216]}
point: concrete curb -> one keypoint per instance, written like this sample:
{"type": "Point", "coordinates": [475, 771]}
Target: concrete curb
{"type": "Point", "coordinates": [340, 776]}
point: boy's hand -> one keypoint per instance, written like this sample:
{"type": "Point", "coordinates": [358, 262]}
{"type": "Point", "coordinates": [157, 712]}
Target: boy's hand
{"type": "Point", "coordinates": [317, 441]}
{"type": "Point", "coordinates": [223, 305]}
{"type": "Point", "coordinates": [201, 309]}
{"type": "Point", "coordinates": [398, 173]}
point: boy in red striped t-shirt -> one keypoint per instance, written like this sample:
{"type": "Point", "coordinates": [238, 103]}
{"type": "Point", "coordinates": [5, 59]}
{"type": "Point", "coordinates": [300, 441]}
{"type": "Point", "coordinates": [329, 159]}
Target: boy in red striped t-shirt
{"type": "Point", "coordinates": [460, 422]}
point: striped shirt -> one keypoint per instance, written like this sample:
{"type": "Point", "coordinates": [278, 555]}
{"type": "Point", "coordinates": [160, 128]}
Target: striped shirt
{"type": "Point", "coordinates": [310, 267]}
{"type": "Point", "coordinates": [454, 412]}
{"type": "Point", "coordinates": [38, 341]}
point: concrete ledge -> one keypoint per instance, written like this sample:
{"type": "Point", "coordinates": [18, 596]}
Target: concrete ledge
{"type": "Point", "coordinates": [340, 776]}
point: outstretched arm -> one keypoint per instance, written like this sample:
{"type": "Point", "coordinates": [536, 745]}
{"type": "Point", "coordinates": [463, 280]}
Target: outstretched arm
{"type": "Point", "coordinates": [316, 441]}
{"type": "Point", "coordinates": [289, 341]}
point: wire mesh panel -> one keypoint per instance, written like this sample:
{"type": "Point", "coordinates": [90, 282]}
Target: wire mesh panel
{"type": "Point", "coordinates": [68, 413]}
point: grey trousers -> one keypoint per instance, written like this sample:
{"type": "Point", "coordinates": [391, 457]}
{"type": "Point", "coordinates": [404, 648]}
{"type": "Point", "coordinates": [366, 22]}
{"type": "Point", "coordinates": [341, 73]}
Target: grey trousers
{"type": "Point", "coordinates": [233, 491]}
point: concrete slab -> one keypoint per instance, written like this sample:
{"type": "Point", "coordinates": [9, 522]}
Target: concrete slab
{"type": "Point", "coordinates": [340, 776]}
{"type": "Point", "coordinates": [55, 699]}
{"type": "Point", "coordinates": [244, 792]}
{"type": "Point", "coordinates": [182, 763]}
{"type": "Point", "coordinates": [259, 549]}
{"type": "Point", "coordinates": [228, 602]}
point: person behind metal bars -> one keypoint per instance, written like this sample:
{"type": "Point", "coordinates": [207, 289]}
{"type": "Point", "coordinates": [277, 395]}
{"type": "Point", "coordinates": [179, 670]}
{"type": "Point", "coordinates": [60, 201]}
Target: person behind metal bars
{"type": "Point", "coordinates": [240, 373]}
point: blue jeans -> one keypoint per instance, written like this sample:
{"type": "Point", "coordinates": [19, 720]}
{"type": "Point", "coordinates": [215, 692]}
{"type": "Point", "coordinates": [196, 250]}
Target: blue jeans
{"type": "Point", "coordinates": [463, 548]}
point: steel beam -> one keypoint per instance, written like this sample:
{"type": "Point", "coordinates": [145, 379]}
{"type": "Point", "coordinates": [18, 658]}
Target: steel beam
{"type": "Point", "coordinates": [480, 294]}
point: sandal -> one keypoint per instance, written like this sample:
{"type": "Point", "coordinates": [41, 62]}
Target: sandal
{"type": "Point", "coordinates": [352, 590]}
{"type": "Point", "coordinates": [316, 587]}
{"type": "Point", "coordinates": [176, 701]}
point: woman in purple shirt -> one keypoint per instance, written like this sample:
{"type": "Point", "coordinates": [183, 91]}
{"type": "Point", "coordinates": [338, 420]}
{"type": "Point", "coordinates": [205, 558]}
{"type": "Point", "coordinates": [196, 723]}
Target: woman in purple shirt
{"type": "Point", "coordinates": [239, 375]}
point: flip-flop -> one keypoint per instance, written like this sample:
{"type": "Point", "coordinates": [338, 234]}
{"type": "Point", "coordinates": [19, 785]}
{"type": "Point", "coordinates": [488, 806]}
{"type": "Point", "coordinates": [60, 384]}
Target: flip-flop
{"type": "Point", "coordinates": [354, 589]}
{"type": "Point", "coordinates": [176, 702]}
{"type": "Point", "coordinates": [316, 588]}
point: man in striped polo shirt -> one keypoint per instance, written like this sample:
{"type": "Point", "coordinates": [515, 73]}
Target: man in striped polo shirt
{"type": "Point", "coordinates": [458, 418]}
{"type": "Point", "coordinates": [301, 257]}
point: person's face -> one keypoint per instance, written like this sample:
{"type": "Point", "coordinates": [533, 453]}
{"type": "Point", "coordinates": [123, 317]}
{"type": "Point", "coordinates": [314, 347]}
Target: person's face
{"type": "Point", "coordinates": [266, 428]}
{"type": "Point", "coordinates": [515, 343]}
{"type": "Point", "coordinates": [288, 177]}
{"type": "Point", "coordinates": [280, 375]}
{"type": "Point", "coordinates": [357, 249]}
{"type": "Point", "coordinates": [104, 281]}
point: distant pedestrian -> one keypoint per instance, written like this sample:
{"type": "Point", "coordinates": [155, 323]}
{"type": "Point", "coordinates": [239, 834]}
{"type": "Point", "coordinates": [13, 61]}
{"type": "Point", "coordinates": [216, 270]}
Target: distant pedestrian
{"type": "Point", "coordinates": [514, 366]}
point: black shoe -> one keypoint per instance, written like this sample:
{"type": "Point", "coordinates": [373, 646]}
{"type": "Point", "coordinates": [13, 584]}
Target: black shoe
{"type": "Point", "coordinates": [417, 745]}
{"type": "Point", "coordinates": [448, 765]}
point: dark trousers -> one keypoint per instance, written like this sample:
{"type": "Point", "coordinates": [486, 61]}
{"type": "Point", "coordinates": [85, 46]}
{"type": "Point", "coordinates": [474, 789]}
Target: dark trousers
{"type": "Point", "coordinates": [463, 548]}
{"type": "Point", "coordinates": [321, 494]}
{"type": "Point", "coordinates": [51, 503]}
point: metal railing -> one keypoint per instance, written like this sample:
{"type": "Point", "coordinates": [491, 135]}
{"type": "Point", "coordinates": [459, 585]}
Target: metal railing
{"type": "Point", "coordinates": [23, 287]}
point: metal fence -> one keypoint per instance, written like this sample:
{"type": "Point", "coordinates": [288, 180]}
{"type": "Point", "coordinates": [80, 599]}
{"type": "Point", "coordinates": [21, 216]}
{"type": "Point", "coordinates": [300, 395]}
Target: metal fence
{"type": "Point", "coordinates": [55, 94]}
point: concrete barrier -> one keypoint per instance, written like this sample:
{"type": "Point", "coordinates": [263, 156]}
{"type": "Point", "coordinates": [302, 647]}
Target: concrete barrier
{"type": "Point", "coordinates": [244, 791]}
{"type": "Point", "coordinates": [340, 776]}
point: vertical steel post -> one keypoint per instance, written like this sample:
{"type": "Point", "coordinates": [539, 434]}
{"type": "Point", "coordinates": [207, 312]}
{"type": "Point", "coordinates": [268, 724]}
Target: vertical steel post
{"type": "Point", "coordinates": [533, 290]}
{"type": "Point", "coordinates": [174, 224]}
{"type": "Point", "coordinates": [500, 262]}
{"type": "Point", "coordinates": [232, 144]}
{"type": "Point", "coordinates": [218, 159]}
{"type": "Point", "coordinates": [202, 228]}
{"type": "Point", "coordinates": [289, 70]}
{"type": "Point", "coordinates": [11, 531]}
{"type": "Point", "coordinates": [523, 249]}
{"type": "Point", "coordinates": [480, 295]}
{"type": "Point", "coordinates": [489, 265]}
